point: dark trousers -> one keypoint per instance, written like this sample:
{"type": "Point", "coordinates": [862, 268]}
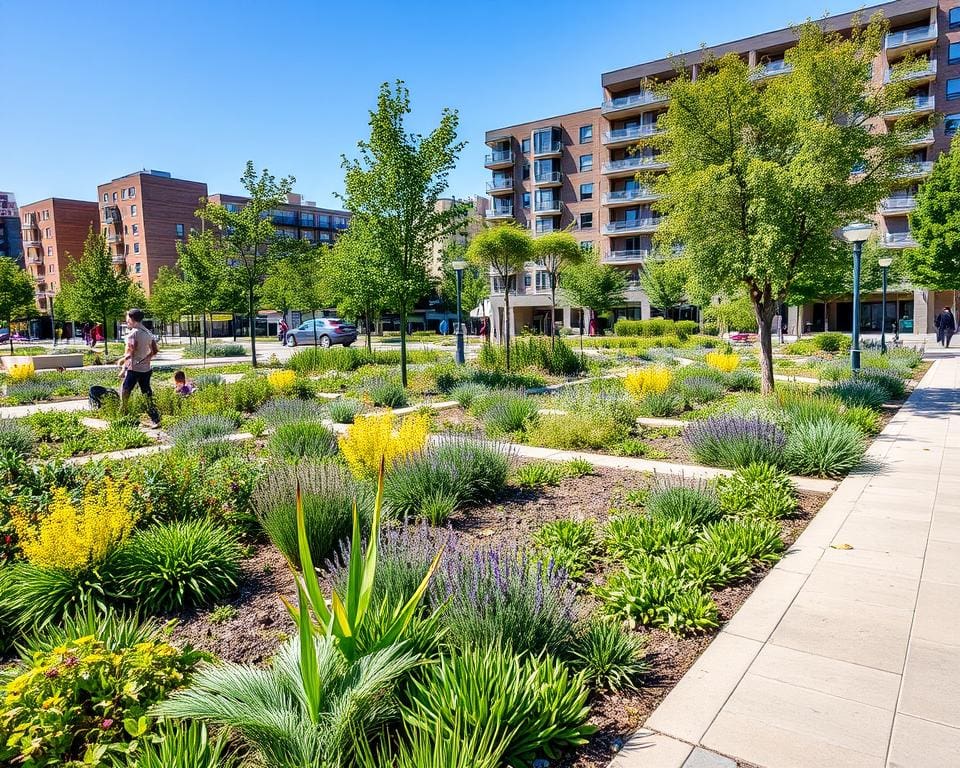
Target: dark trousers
{"type": "Point", "coordinates": [132, 379]}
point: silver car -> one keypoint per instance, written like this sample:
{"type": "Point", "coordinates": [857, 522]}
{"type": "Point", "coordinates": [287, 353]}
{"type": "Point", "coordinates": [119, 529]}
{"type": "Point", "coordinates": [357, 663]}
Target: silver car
{"type": "Point", "coordinates": [325, 331]}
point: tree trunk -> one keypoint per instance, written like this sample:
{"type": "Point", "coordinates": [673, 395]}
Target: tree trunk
{"type": "Point", "coordinates": [403, 346]}
{"type": "Point", "coordinates": [763, 308]}
{"type": "Point", "coordinates": [10, 334]}
{"type": "Point", "coordinates": [553, 310]}
{"type": "Point", "coordinates": [367, 329]}
{"type": "Point", "coordinates": [506, 323]}
{"type": "Point", "coordinates": [253, 327]}
{"type": "Point", "coordinates": [204, 338]}
{"type": "Point", "coordinates": [313, 314]}
{"type": "Point", "coordinates": [106, 347]}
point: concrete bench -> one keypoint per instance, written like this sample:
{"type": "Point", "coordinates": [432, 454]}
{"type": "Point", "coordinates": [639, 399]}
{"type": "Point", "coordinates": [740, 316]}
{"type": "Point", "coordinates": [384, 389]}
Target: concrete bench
{"type": "Point", "coordinates": [45, 362]}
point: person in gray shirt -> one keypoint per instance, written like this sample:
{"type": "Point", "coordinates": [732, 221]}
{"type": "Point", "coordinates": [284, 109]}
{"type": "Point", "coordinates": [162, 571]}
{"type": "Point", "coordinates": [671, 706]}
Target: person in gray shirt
{"type": "Point", "coordinates": [135, 365]}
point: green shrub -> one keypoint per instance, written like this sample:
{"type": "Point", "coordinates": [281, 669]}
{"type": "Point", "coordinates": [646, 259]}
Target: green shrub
{"type": "Point", "coordinates": [532, 352]}
{"type": "Point", "coordinates": [888, 379]}
{"type": "Point", "coordinates": [634, 534]}
{"type": "Point", "coordinates": [173, 566]}
{"type": "Point", "coordinates": [249, 393]}
{"type": "Point", "coordinates": [199, 429]}
{"type": "Point", "coordinates": [832, 341]}
{"type": "Point", "coordinates": [204, 380]}
{"type": "Point", "coordinates": [183, 744]}
{"type": "Point", "coordinates": [507, 412]}
{"type": "Point", "coordinates": [318, 360]}
{"type": "Point", "coordinates": [328, 493]}
{"type": "Point", "coordinates": [195, 350]}
{"type": "Point", "coordinates": [298, 440]}
{"type": "Point", "coordinates": [284, 410]}
{"type": "Point", "coordinates": [569, 544]}
{"type": "Point", "coordinates": [700, 389]}
{"type": "Point", "coordinates": [800, 406]}
{"type": "Point", "coordinates": [116, 630]}
{"type": "Point", "coordinates": [467, 392]}
{"type": "Point", "coordinates": [694, 505]}
{"type": "Point", "coordinates": [656, 326]}
{"type": "Point", "coordinates": [824, 448]}
{"type": "Point", "coordinates": [537, 474]}
{"type": "Point", "coordinates": [82, 699]}
{"type": "Point", "coordinates": [749, 537]}
{"type": "Point", "coordinates": [16, 437]}
{"type": "Point", "coordinates": [859, 392]}
{"type": "Point", "coordinates": [757, 489]}
{"type": "Point", "coordinates": [609, 656]}
{"type": "Point", "coordinates": [535, 704]}
{"type": "Point", "coordinates": [575, 431]}
{"type": "Point", "coordinates": [386, 393]}
{"type": "Point", "coordinates": [661, 404]}
{"type": "Point", "coordinates": [34, 598]}
{"type": "Point", "coordinates": [865, 419]}
{"type": "Point", "coordinates": [344, 410]}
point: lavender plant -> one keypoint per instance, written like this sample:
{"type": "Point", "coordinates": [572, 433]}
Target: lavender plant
{"type": "Point", "coordinates": [735, 441]}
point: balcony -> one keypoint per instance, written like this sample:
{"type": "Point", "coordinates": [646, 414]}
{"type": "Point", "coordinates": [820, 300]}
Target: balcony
{"type": "Point", "coordinates": [41, 283]}
{"type": "Point", "coordinates": [919, 105]}
{"type": "Point", "coordinates": [917, 38]}
{"type": "Point", "coordinates": [924, 75]}
{"type": "Point", "coordinates": [771, 69]}
{"type": "Point", "coordinates": [35, 260]}
{"type": "Point", "coordinates": [620, 137]}
{"type": "Point", "coordinates": [627, 256]}
{"type": "Point", "coordinates": [922, 141]}
{"type": "Point", "coordinates": [630, 166]}
{"type": "Point", "coordinates": [633, 226]}
{"type": "Point", "coordinates": [499, 159]}
{"type": "Point", "coordinates": [543, 226]}
{"type": "Point", "coordinates": [284, 220]}
{"type": "Point", "coordinates": [917, 170]}
{"type": "Point", "coordinates": [552, 207]}
{"type": "Point", "coordinates": [111, 215]}
{"type": "Point", "coordinates": [898, 205]}
{"type": "Point", "coordinates": [29, 221]}
{"type": "Point", "coordinates": [622, 106]}
{"type": "Point", "coordinates": [898, 240]}
{"type": "Point", "coordinates": [499, 214]}
{"type": "Point", "coordinates": [114, 237]}
{"type": "Point", "coordinates": [628, 196]}
{"type": "Point", "coordinates": [119, 258]}
{"type": "Point", "coordinates": [548, 148]}
{"type": "Point", "coordinates": [551, 179]}
{"type": "Point", "coordinates": [500, 186]}
{"type": "Point", "coordinates": [32, 240]}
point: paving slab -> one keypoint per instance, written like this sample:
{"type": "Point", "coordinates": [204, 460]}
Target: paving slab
{"type": "Point", "coordinates": [652, 750]}
{"type": "Point", "coordinates": [917, 742]}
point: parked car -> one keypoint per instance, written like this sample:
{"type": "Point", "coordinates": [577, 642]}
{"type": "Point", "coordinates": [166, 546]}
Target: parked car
{"type": "Point", "coordinates": [329, 331]}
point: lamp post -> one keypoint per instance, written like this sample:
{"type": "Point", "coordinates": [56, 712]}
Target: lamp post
{"type": "Point", "coordinates": [459, 265]}
{"type": "Point", "coordinates": [856, 234]}
{"type": "Point", "coordinates": [884, 262]}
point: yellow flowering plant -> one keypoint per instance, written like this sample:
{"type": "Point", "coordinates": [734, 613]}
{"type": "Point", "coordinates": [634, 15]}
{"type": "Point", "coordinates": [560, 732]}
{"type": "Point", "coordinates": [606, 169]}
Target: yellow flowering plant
{"type": "Point", "coordinates": [723, 361]}
{"type": "Point", "coordinates": [73, 535]}
{"type": "Point", "coordinates": [22, 371]}
{"type": "Point", "coordinates": [651, 380]}
{"type": "Point", "coordinates": [282, 381]}
{"type": "Point", "coordinates": [372, 438]}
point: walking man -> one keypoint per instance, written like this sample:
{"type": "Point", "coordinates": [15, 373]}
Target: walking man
{"type": "Point", "coordinates": [135, 365]}
{"type": "Point", "coordinates": [946, 326]}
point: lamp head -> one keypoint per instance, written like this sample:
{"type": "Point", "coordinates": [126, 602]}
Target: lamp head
{"type": "Point", "coordinates": [858, 232]}
{"type": "Point", "coordinates": [885, 261]}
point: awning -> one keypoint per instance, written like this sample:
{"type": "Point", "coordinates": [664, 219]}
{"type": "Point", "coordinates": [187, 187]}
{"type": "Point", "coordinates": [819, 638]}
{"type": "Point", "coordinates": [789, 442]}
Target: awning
{"type": "Point", "coordinates": [482, 309]}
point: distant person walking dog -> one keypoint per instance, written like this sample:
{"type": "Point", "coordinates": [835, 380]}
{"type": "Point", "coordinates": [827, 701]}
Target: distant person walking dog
{"type": "Point", "coordinates": [946, 325]}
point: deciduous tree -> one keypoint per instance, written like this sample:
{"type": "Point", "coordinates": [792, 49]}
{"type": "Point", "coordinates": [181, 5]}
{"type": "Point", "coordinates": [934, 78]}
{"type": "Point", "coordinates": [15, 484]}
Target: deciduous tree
{"type": "Point", "coordinates": [665, 282]}
{"type": "Point", "coordinates": [16, 294]}
{"type": "Point", "coordinates": [594, 285]}
{"type": "Point", "coordinates": [475, 286]}
{"type": "Point", "coordinates": [203, 264]}
{"type": "Point", "coordinates": [556, 252]}
{"type": "Point", "coordinates": [353, 277]}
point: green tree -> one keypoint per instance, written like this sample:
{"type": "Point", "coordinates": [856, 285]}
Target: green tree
{"type": "Point", "coordinates": [763, 171]}
{"type": "Point", "coordinates": [296, 281]}
{"type": "Point", "coordinates": [393, 188]}
{"type": "Point", "coordinates": [203, 264]}
{"type": "Point", "coordinates": [166, 297]}
{"type": "Point", "coordinates": [247, 234]}
{"type": "Point", "coordinates": [16, 294]}
{"type": "Point", "coordinates": [935, 223]}
{"type": "Point", "coordinates": [94, 288]}
{"type": "Point", "coordinates": [731, 313]}
{"type": "Point", "coordinates": [502, 251]}
{"type": "Point", "coordinates": [353, 276]}
{"type": "Point", "coordinates": [594, 285]}
{"type": "Point", "coordinates": [665, 282]}
{"type": "Point", "coordinates": [556, 252]}
{"type": "Point", "coordinates": [475, 285]}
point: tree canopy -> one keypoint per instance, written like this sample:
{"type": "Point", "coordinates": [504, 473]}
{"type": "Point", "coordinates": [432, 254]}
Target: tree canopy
{"type": "Point", "coordinates": [556, 252]}
{"type": "Point", "coordinates": [594, 285]}
{"type": "Point", "coordinates": [353, 276]}
{"type": "Point", "coordinates": [665, 282]}
{"type": "Point", "coordinates": [16, 293]}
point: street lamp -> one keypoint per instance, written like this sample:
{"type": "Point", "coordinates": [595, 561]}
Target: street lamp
{"type": "Point", "coordinates": [459, 265]}
{"type": "Point", "coordinates": [884, 262]}
{"type": "Point", "coordinates": [856, 234]}
{"type": "Point", "coordinates": [48, 295]}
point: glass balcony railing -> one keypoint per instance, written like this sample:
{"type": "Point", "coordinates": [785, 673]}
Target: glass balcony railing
{"type": "Point", "coordinates": [634, 163]}
{"type": "Point", "coordinates": [898, 203]}
{"type": "Point", "coordinates": [548, 206]}
{"type": "Point", "coordinates": [499, 185]}
{"type": "Point", "coordinates": [551, 177]}
{"type": "Point", "coordinates": [633, 133]}
{"type": "Point", "coordinates": [917, 169]}
{"type": "Point", "coordinates": [546, 225]}
{"type": "Point", "coordinates": [911, 36]}
{"type": "Point", "coordinates": [500, 212]}
{"type": "Point", "coordinates": [649, 223]}
{"type": "Point", "coordinates": [770, 69]}
{"type": "Point", "coordinates": [633, 100]}
{"type": "Point", "coordinates": [627, 195]}
{"type": "Point", "coordinates": [628, 254]}
{"type": "Point", "coordinates": [916, 104]}
{"type": "Point", "coordinates": [924, 70]}
{"type": "Point", "coordinates": [898, 240]}
{"type": "Point", "coordinates": [499, 156]}
{"type": "Point", "coordinates": [547, 147]}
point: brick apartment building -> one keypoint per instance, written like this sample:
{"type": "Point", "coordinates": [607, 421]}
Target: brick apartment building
{"type": "Point", "coordinates": [299, 218]}
{"type": "Point", "coordinates": [579, 168]}
{"type": "Point", "coordinates": [143, 216]}
{"type": "Point", "coordinates": [53, 231]}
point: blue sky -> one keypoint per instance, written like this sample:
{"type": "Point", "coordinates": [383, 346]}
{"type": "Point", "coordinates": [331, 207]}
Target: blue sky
{"type": "Point", "coordinates": [96, 90]}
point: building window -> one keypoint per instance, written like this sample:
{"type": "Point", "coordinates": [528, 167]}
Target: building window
{"type": "Point", "coordinates": [131, 192]}
{"type": "Point", "coordinates": [586, 221]}
{"type": "Point", "coordinates": [586, 163]}
{"type": "Point", "coordinates": [133, 210]}
{"type": "Point", "coordinates": [136, 267]}
{"type": "Point", "coordinates": [46, 214]}
{"type": "Point", "coordinates": [586, 133]}
{"type": "Point", "coordinates": [951, 123]}
{"type": "Point", "coordinates": [53, 268]}
{"type": "Point", "coordinates": [106, 197]}
{"type": "Point", "coordinates": [586, 245]}
{"type": "Point", "coordinates": [46, 232]}
{"type": "Point", "coordinates": [114, 197]}
{"type": "Point", "coordinates": [323, 236]}
{"type": "Point", "coordinates": [136, 247]}
{"type": "Point", "coordinates": [586, 191]}
{"type": "Point", "coordinates": [525, 146]}
{"type": "Point", "coordinates": [179, 230]}
{"type": "Point", "coordinates": [49, 250]}
{"type": "Point", "coordinates": [136, 230]}
{"type": "Point", "coordinates": [526, 279]}
{"type": "Point", "coordinates": [123, 194]}
{"type": "Point", "coordinates": [953, 88]}
{"type": "Point", "coordinates": [525, 173]}
{"type": "Point", "coordinates": [543, 280]}
{"type": "Point", "coordinates": [126, 229]}
{"type": "Point", "coordinates": [340, 222]}
{"type": "Point", "coordinates": [954, 55]}
{"type": "Point", "coordinates": [525, 200]}
{"type": "Point", "coordinates": [954, 18]}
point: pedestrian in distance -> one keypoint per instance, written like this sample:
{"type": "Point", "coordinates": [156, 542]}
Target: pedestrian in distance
{"type": "Point", "coordinates": [946, 325]}
{"type": "Point", "coordinates": [136, 366]}
{"type": "Point", "coordinates": [282, 331]}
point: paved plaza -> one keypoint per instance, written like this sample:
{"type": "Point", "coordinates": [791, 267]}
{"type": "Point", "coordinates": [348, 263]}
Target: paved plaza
{"type": "Point", "coordinates": [848, 652]}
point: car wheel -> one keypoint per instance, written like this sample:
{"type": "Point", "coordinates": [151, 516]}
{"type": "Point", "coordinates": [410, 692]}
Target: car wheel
{"type": "Point", "coordinates": [325, 342]}
{"type": "Point", "coordinates": [347, 343]}
{"type": "Point", "coordinates": [291, 341]}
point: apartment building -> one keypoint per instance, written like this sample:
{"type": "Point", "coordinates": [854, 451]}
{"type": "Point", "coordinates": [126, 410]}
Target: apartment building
{"type": "Point", "coordinates": [143, 216]}
{"type": "Point", "coordinates": [479, 209]}
{"type": "Point", "coordinates": [580, 168]}
{"type": "Point", "coordinates": [53, 231]}
{"type": "Point", "coordinates": [298, 218]}
{"type": "Point", "coordinates": [11, 243]}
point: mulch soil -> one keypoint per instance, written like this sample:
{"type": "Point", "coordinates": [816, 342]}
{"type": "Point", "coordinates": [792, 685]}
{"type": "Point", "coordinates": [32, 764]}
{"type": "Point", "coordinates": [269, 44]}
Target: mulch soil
{"type": "Point", "coordinates": [260, 622]}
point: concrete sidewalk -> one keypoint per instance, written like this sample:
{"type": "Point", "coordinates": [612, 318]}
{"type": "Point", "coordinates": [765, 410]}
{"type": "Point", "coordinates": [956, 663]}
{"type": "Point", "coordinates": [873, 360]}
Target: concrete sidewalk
{"type": "Point", "coordinates": [848, 652]}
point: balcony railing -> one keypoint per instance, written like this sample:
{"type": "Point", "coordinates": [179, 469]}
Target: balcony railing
{"type": "Point", "coordinates": [35, 260]}
{"type": "Point", "coordinates": [119, 258]}
{"type": "Point", "coordinates": [32, 241]}
{"type": "Point", "coordinates": [546, 225]}
{"type": "Point", "coordinates": [771, 69]}
{"type": "Point", "coordinates": [500, 213]}
{"type": "Point", "coordinates": [616, 227]}
{"type": "Point", "coordinates": [634, 163]}
{"type": "Point", "coordinates": [630, 254]}
{"type": "Point", "coordinates": [927, 138]}
{"type": "Point", "coordinates": [911, 36]}
{"type": "Point", "coordinates": [917, 104]}
{"type": "Point", "coordinates": [633, 133]}
{"type": "Point", "coordinates": [500, 185]}
{"type": "Point", "coordinates": [548, 148]}
{"type": "Point", "coordinates": [898, 240]}
{"type": "Point", "coordinates": [114, 237]}
{"type": "Point", "coordinates": [930, 70]}
{"type": "Point", "coordinates": [917, 169]}
{"type": "Point", "coordinates": [553, 177]}
{"type": "Point", "coordinates": [499, 156]}
{"type": "Point", "coordinates": [898, 204]}
{"type": "Point", "coordinates": [548, 206]}
{"type": "Point", "coordinates": [29, 220]}
{"type": "Point", "coordinates": [644, 98]}
{"type": "Point", "coordinates": [111, 215]}
{"type": "Point", "coordinates": [628, 195]}
{"type": "Point", "coordinates": [284, 220]}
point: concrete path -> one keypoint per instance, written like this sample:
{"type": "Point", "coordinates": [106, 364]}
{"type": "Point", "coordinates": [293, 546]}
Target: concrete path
{"type": "Point", "coordinates": [848, 652]}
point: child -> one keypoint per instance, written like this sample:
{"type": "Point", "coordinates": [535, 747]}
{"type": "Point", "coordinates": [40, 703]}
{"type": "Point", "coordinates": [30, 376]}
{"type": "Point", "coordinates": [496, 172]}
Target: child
{"type": "Point", "coordinates": [180, 384]}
